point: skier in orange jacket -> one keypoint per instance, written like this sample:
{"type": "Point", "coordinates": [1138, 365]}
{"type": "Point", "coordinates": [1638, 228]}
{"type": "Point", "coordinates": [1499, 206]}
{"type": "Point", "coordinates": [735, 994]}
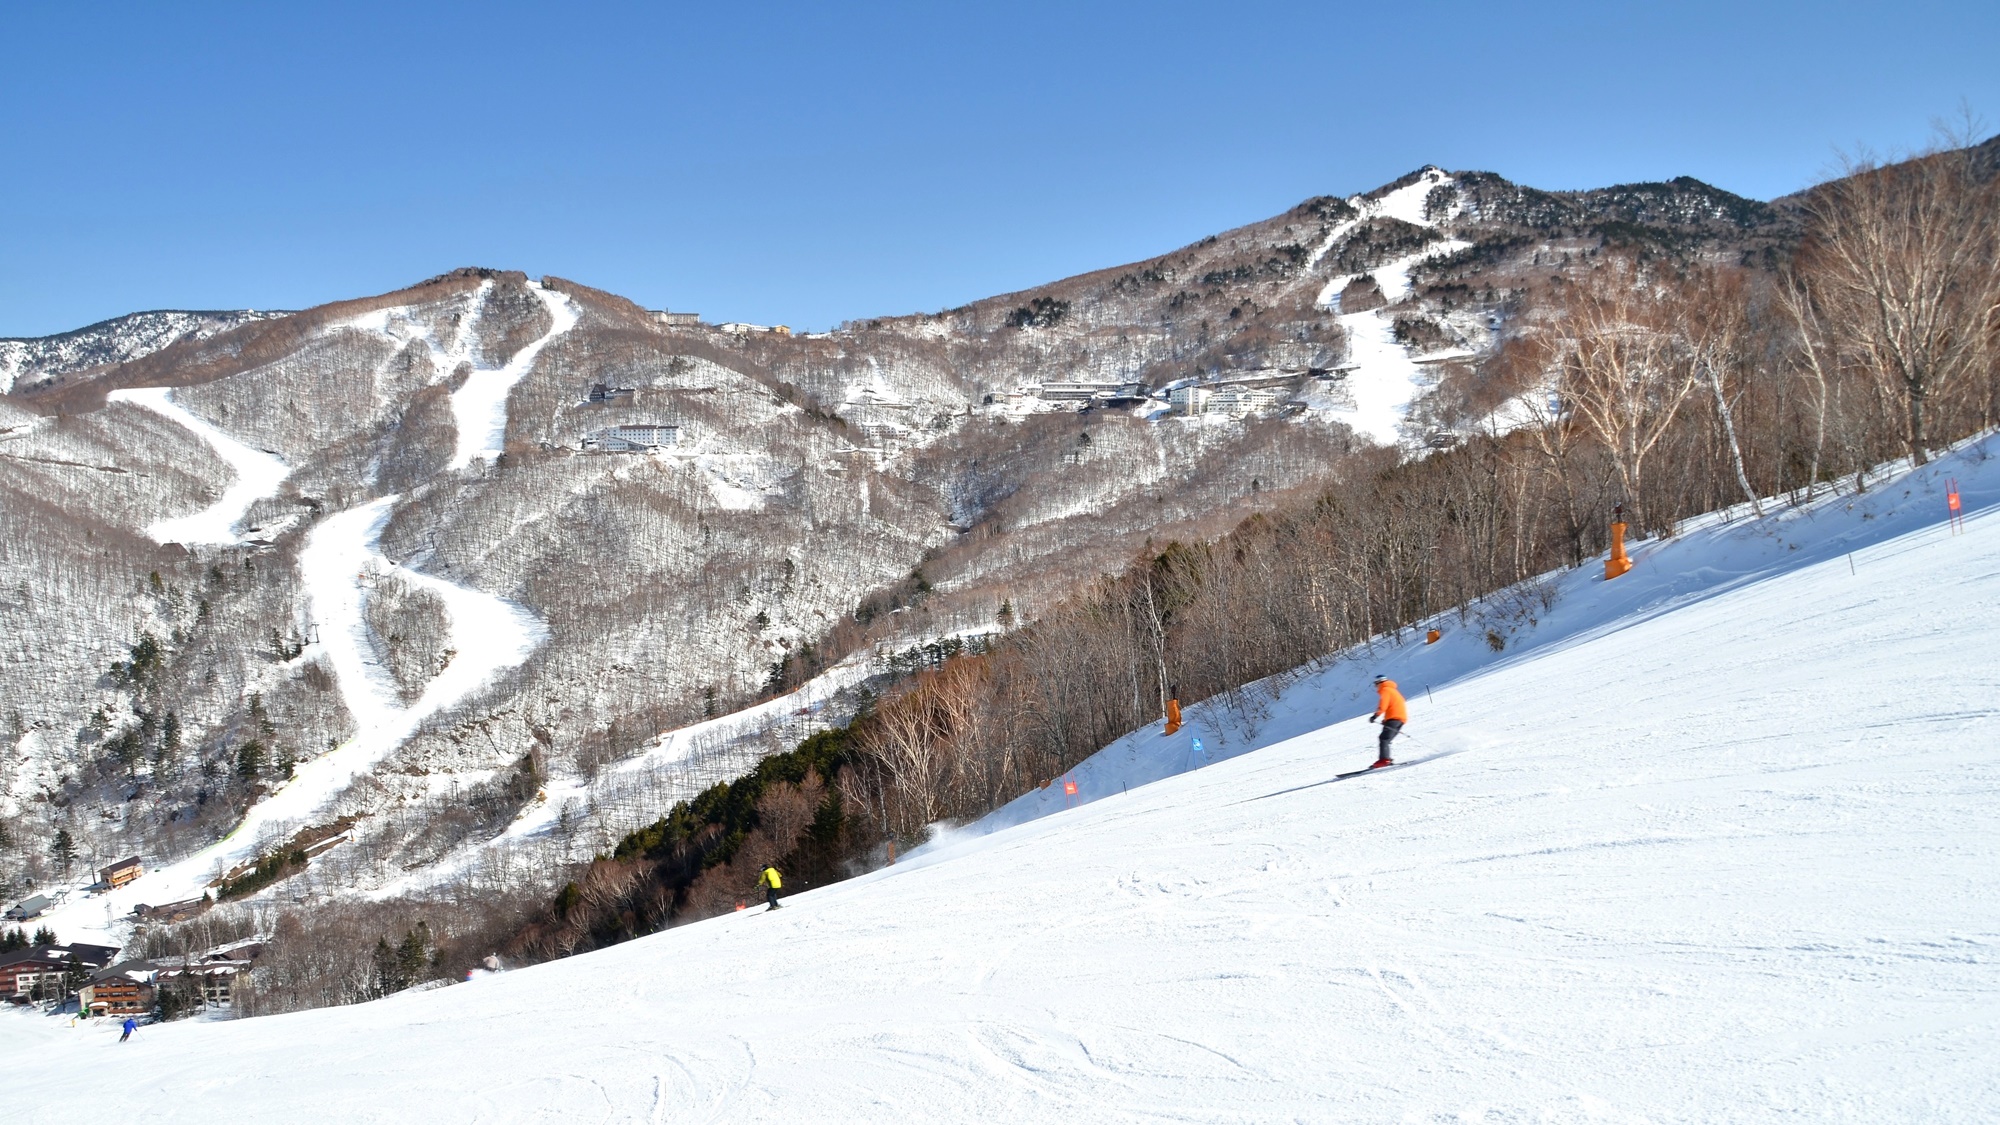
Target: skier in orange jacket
{"type": "Point", "coordinates": [1393, 712]}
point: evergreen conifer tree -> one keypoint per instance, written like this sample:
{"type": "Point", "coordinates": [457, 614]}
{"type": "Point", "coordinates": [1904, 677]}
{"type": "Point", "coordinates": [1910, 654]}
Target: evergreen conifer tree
{"type": "Point", "coordinates": [412, 954]}
{"type": "Point", "coordinates": [63, 851]}
{"type": "Point", "coordinates": [250, 760]}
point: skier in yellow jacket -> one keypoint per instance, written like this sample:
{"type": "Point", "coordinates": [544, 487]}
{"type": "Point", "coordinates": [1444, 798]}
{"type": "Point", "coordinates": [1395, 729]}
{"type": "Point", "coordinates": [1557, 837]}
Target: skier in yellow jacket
{"type": "Point", "coordinates": [770, 880]}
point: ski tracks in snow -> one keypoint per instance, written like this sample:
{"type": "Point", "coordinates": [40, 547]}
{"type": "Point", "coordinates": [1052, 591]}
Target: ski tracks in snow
{"type": "Point", "coordinates": [1353, 774]}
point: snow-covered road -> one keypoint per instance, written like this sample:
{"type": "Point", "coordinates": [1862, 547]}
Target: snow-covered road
{"type": "Point", "coordinates": [258, 474]}
{"type": "Point", "coordinates": [1725, 856]}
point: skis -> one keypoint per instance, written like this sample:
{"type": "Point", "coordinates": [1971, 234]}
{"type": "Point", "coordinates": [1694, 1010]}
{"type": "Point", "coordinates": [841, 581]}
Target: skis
{"type": "Point", "coordinates": [1343, 777]}
{"type": "Point", "coordinates": [1371, 769]}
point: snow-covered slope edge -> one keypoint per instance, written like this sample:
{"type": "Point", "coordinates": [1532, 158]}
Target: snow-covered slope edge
{"type": "Point", "coordinates": [1711, 555]}
{"type": "Point", "coordinates": [1726, 858]}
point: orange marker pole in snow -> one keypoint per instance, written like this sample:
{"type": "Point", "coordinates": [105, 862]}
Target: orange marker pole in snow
{"type": "Point", "coordinates": [1069, 792]}
{"type": "Point", "coordinates": [1617, 564]}
{"type": "Point", "coordinates": [1951, 501]}
{"type": "Point", "coordinates": [1173, 716]}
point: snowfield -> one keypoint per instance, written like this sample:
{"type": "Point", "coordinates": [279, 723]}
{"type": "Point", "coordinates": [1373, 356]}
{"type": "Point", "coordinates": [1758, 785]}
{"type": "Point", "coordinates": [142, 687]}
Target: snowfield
{"type": "Point", "coordinates": [1713, 842]}
{"type": "Point", "coordinates": [1384, 378]}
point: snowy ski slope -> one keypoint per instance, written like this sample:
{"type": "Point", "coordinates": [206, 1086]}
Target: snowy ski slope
{"type": "Point", "coordinates": [1712, 555]}
{"type": "Point", "coordinates": [492, 634]}
{"type": "Point", "coordinates": [479, 407]}
{"type": "Point", "coordinates": [1383, 377]}
{"type": "Point", "coordinates": [1714, 842]}
{"type": "Point", "coordinates": [258, 474]}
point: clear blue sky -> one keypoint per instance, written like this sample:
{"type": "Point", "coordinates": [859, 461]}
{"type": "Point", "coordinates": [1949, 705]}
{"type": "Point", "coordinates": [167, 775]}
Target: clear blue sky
{"type": "Point", "coordinates": [807, 163]}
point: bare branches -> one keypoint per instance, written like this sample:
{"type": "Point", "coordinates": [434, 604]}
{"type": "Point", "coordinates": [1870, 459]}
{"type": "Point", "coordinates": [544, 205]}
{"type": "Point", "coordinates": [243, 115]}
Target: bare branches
{"type": "Point", "coordinates": [1623, 367]}
{"type": "Point", "coordinates": [1904, 259]}
{"type": "Point", "coordinates": [1711, 318]}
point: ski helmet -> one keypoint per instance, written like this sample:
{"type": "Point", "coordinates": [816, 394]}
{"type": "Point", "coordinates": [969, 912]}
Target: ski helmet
{"type": "Point", "coordinates": [1380, 678]}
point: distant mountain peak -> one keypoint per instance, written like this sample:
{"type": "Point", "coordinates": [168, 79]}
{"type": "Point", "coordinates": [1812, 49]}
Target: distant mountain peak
{"type": "Point", "coordinates": [41, 361]}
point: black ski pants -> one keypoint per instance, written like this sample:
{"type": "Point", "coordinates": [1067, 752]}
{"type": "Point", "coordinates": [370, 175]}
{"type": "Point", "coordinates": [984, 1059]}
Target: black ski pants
{"type": "Point", "coordinates": [1390, 729]}
{"type": "Point", "coordinates": [771, 896]}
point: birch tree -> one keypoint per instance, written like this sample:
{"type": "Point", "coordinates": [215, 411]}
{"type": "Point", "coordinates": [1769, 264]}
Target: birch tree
{"type": "Point", "coordinates": [1904, 259]}
{"type": "Point", "coordinates": [1623, 368]}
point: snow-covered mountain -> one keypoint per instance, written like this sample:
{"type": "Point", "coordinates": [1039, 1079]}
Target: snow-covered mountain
{"type": "Point", "coordinates": [410, 562]}
{"type": "Point", "coordinates": [42, 361]}
{"type": "Point", "coordinates": [1712, 841]}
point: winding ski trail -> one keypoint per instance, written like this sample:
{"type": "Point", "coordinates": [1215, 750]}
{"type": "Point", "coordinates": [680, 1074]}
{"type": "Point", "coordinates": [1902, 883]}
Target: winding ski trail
{"type": "Point", "coordinates": [1383, 377]}
{"type": "Point", "coordinates": [258, 474]}
{"type": "Point", "coordinates": [479, 407]}
{"type": "Point", "coordinates": [490, 635]}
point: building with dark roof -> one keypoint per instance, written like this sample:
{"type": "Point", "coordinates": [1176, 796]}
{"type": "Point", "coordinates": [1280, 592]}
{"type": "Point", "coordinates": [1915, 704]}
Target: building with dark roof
{"type": "Point", "coordinates": [121, 873]}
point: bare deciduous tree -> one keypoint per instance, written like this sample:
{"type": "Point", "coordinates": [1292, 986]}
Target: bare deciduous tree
{"type": "Point", "coordinates": [1711, 319]}
{"type": "Point", "coordinates": [1903, 259]}
{"type": "Point", "coordinates": [1622, 368]}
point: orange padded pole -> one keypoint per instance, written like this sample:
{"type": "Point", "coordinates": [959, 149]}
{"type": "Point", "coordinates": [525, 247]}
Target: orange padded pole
{"type": "Point", "coordinates": [1617, 564]}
